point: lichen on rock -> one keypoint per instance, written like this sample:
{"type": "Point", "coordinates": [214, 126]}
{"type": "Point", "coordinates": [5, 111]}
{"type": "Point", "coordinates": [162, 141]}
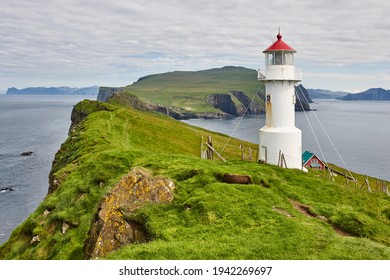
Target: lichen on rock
{"type": "Point", "coordinates": [111, 229]}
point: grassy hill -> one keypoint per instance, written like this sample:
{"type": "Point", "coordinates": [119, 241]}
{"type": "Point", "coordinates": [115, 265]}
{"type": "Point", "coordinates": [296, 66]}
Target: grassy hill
{"type": "Point", "coordinates": [282, 214]}
{"type": "Point", "coordinates": [229, 90]}
{"type": "Point", "coordinates": [189, 89]}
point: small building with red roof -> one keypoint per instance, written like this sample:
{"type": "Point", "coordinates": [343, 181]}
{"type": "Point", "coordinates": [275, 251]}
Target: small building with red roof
{"type": "Point", "coordinates": [310, 160]}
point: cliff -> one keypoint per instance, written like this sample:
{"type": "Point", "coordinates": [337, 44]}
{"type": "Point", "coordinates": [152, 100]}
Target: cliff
{"type": "Point", "coordinates": [303, 99]}
{"type": "Point", "coordinates": [130, 184]}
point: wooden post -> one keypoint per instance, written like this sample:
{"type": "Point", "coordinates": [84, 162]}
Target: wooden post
{"type": "Point", "coordinates": [281, 160]}
{"type": "Point", "coordinates": [386, 189]}
{"type": "Point", "coordinates": [215, 151]}
{"type": "Point", "coordinates": [368, 184]}
{"type": "Point", "coordinates": [382, 189]}
{"type": "Point", "coordinates": [242, 151]}
{"type": "Point", "coordinates": [209, 144]}
{"type": "Point", "coordinates": [284, 161]}
{"type": "Point", "coordinates": [201, 148]}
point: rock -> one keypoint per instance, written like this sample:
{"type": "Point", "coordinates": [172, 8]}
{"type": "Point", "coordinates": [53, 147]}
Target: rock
{"type": "Point", "coordinates": [6, 189]}
{"type": "Point", "coordinates": [53, 184]}
{"type": "Point", "coordinates": [105, 93]}
{"type": "Point", "coordinates": [302, 99]}
{"type": "Point", "coordinates": [46, 213]}
{"type": "Point", "coordinates": [223, 102]}
{"type": "Point", "coordinates": [236, 179]}
{"type": "Point", "coordinates": [35, 239]}
{"type": "Point", "coordinates": [112, 227]}
{"type": "Point", "coordinates": [323, 218]}
{"type": "Point", "coordinates": [26, 154]}
{"type": "Point", "coordinates": [64, 228]}
{"type": "Point", "coordinates": [249, 106]}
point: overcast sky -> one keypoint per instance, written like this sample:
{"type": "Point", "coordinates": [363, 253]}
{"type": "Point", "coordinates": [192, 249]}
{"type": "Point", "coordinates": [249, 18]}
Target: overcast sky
{"type": "Point", "coordinates": [341, 45]}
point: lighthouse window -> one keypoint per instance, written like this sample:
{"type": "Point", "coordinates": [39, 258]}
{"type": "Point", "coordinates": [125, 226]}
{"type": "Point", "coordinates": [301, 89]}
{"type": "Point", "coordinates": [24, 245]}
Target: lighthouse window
{"type": "Point", "coordinates": [288, 58]}
{"type": "Point", "coordinates": [268, 98]}
{"type": "Point", "coordinates": [279, 58]}
{"type": "Point", "coordinates": [269, 59]}
{"type": "Point", "coordinates": [294, 99]}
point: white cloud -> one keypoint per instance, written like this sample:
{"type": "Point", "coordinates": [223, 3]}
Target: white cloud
{"type": "Point", "coordinates": [111, 42]}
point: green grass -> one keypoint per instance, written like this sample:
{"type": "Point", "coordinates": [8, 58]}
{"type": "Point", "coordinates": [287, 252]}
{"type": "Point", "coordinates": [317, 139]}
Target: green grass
{"type": "Point", "coordinates": [208, 219]}
{"type": "Point", "coordinates": [189, 89]}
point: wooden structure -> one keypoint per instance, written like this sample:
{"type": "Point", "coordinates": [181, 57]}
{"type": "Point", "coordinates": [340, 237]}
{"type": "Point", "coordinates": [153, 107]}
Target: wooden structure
{"type": "Point", "coordinates": [310, 160]}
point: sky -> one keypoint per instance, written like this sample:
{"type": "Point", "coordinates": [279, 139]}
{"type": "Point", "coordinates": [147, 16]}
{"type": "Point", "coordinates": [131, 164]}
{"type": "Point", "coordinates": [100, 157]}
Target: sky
{"type": "Point", "coordinates": [341, 45]}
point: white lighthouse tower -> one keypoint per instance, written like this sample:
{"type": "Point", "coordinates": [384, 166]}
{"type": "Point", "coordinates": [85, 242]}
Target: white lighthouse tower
{"type": "Point", "coordinates": [280, 141]}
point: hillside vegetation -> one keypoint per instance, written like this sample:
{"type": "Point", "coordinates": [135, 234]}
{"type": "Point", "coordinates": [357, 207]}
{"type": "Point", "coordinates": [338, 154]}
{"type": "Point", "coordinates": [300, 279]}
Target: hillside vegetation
{"type": "Point", "coordinates": [189, 89]}
{"type": "Point", "coordinates": [281, 214]}
{"type": "Point", "coordinates": [226, 91]}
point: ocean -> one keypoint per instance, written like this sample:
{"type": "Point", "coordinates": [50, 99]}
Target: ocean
{"type": "Point", "coordinates": [37, 124]}
{"type": "Point", "coordinates": [352, 134]}
{"type": "Point", "coordinates": [359, 130]}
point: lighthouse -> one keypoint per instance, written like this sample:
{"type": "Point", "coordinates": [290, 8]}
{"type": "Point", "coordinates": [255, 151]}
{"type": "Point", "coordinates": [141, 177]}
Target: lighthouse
{"type": "Point", "coordinates": [280, 141]}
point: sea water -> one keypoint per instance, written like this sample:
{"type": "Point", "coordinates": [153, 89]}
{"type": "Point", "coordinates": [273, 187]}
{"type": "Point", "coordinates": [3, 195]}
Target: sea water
{"type": "Point", "coordinates": [352, 134]}
{"type": "Point", "coordinates": [37, 124]}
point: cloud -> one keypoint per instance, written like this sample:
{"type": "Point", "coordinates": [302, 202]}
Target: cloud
{"type": "Point", "coordinates": [115, 42]}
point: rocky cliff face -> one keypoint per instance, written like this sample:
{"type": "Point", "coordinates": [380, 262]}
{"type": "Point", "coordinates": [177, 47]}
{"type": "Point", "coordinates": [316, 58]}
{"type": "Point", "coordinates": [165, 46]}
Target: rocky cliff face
{"type": "Point", "coordinates": [250, 107]}
{"type": "Point", "coordinates": [105, 93]}
{"type": "Point", "coordinates": [117, 95]}
{"type": "Point", "coordinates": [115, 225]}
{"type": "Point", "coordinates": [303, 99]}
{"type": "Point", "coordinates": [79, 112]}
{"type": "Point", "coordinates": [223, 102]}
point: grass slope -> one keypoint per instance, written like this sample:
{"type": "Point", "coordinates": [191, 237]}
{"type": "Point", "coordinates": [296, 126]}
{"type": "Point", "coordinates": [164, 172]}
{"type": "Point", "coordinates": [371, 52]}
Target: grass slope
{"type": "Point", "coordinates": [189, 89]}
{"type": "Point", "coordinates": [207, 219]}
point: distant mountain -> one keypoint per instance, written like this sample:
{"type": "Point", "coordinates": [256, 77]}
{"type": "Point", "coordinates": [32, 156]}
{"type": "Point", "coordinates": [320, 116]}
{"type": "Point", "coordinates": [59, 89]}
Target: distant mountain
{"type": "Point", "coordinates": [370, 94]}
{"type": "Point", "coordinates": [54, 91]}
{"type": "Point", "coordinates": [325, 94]}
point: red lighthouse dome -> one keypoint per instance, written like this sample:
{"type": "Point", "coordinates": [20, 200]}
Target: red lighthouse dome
{"type": "Point", "coordinates": [279, 45]}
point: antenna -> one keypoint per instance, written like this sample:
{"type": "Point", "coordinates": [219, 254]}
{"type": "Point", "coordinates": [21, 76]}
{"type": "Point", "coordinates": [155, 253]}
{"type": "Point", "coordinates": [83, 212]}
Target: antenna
{"type": "Point", "coordinates": [279, 30]}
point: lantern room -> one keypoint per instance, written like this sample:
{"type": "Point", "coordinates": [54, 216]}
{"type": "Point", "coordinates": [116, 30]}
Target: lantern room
{"type": "Point", "coordinates": [279, 53]}
{"type": "Point", "coordinates": [279, 58]}
{"type": "Point", "coordinates": [279, 62]}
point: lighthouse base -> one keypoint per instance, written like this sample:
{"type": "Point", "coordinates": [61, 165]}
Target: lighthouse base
{"type": "Point", "coordinates": [281, 146]}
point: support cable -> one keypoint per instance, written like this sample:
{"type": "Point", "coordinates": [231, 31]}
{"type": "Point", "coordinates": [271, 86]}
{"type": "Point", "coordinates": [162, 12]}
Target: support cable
{"type": "Point", "coordinates": [246, 110]}
{"type": "Point", "coordinates": [311, 127]}
{"type": "Point", "coordinates": [330, 140]}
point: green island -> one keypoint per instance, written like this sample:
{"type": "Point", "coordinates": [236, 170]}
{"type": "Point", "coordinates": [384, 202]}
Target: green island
{"type": "Point", "coordinates": [130, 183]}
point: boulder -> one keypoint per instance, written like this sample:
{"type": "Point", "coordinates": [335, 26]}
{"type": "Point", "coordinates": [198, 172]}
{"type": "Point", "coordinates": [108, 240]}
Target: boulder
{"type": "Point", "coordinates": [113, 227]}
